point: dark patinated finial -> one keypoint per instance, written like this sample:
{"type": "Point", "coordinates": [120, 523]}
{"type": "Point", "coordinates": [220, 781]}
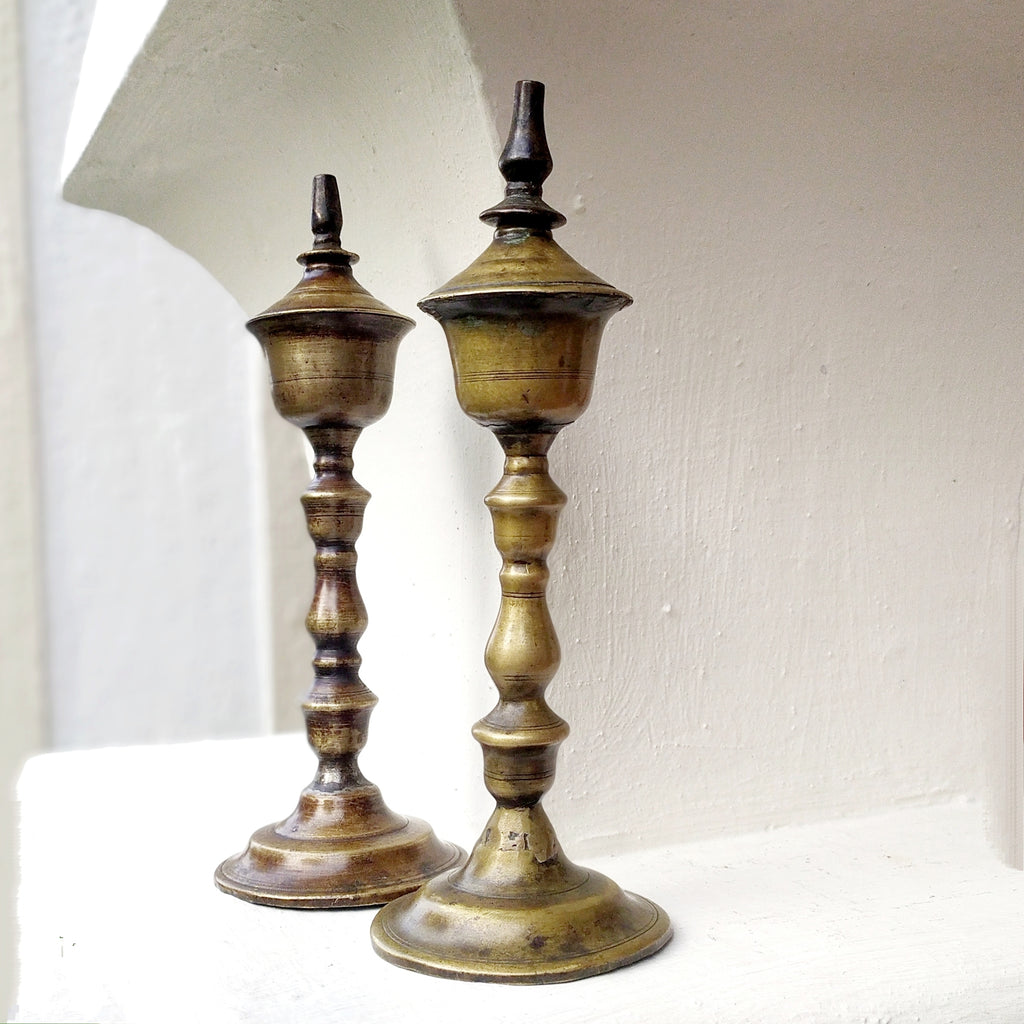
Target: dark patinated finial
{"type": "Point", "coordinates": [526, 158]}
{"type": "Point", "coordinates": [525, 163]}
{"type": "Point", "coordinates": [326, 220]}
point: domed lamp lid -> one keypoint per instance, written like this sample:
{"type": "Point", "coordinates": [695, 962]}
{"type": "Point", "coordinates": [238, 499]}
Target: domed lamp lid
{"type": "Point", "coordinates": [328, 285]}
{"type": "Point", "coordinates": [523, 259]}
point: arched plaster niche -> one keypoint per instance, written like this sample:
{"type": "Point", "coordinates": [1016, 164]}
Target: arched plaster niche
{"type": "Point", "coordinates": [211, 138]}
{"type": "Point", "coordinates": [783, 571]}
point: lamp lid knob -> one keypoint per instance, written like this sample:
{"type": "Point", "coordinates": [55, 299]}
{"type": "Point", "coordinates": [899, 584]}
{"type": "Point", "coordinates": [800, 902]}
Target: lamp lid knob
{"type": "Point", "coordinates": [525, 163]}
{"type": "Point", "coordinates": [326, 221]}
{"type": "Point", "coordinates": [328, 292]}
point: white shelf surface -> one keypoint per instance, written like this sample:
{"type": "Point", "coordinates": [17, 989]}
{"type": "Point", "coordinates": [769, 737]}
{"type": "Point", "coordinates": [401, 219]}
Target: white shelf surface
{"type": "Point", "coordinates": [907, 916]}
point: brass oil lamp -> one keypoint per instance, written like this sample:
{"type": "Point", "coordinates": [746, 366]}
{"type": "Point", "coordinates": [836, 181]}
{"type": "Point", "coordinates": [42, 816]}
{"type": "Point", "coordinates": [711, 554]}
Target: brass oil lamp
{"type": "Point", "coordinates": [523, 324]}
{"type": "Point", "coordinates": [331, 348]}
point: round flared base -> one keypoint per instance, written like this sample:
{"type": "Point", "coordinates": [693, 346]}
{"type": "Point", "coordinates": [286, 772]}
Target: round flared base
{"type": "Point", "coordinates": [323, 872]}
{"type": "Point", "coordinates": [447, 931]}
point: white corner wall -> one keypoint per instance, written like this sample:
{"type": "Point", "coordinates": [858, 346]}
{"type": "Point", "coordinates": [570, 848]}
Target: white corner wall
{"type": "Point", "coordinates": [224, 117]}
{"type": "Point", "coordinates": [786, 567]}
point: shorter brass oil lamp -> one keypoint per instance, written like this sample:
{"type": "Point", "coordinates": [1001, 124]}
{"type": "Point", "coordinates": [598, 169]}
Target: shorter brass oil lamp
{"type": "Point", "coordinates": [331, 348]}
{"type": "Point", "coordinates": [523, 324]}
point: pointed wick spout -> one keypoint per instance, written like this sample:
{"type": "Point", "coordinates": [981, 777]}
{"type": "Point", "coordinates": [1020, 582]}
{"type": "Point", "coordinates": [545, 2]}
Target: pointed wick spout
{"type": "Point", "coordinates": [526, 157]}
{"type": "Point", "coordinates": [326, 219]}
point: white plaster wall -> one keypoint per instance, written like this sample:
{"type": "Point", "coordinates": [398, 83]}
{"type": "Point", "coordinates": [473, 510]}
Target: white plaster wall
{"type": "Point", "coordinates": [21, 668]}
{"type": "Point", "coordinates": [149, 466]}
{"type": "Point", "coordinates": [785, 569]}
{"type": "Point", "coordinates": [791, 537]}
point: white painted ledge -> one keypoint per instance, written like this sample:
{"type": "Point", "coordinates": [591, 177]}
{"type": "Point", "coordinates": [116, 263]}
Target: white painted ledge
{"type": "Point", "coordinates": [902, 917]}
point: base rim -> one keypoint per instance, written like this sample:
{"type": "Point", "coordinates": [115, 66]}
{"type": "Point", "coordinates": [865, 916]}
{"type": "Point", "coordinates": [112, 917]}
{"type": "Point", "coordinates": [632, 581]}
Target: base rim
{"type": "Point", "coordinates": [340, 884]}
{"type": "Point", "coordinates": [428, 957]}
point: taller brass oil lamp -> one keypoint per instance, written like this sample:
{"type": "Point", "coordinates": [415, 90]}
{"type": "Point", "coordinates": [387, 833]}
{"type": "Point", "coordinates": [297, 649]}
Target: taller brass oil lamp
{"type": "Point", "coordinates": [523, 325]}
{"type": "Point", "coordinates": [331, 349]}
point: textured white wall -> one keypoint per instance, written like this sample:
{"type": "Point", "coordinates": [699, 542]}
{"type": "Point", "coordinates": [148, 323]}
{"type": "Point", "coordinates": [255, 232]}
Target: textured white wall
{"type": "Point", "coordinates": [21, 669]}
{"type": "Point", "coordinates": [784, 573]}
{"type": "Point", "coordinates": [148, 461]}
{"type": "Point", "coordinates": [789, 551]}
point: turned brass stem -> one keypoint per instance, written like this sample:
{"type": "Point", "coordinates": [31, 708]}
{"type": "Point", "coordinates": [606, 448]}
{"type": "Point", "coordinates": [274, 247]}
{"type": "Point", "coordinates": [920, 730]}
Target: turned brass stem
{"type": "Point", "coordinates": [337, 708]}
{"type": "Point", "coordinates": [521, 735]}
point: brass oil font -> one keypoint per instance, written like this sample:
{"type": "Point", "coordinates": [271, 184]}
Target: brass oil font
{"type": "Point", "coordinates": [523, 324]}
{"type": "Point", "coordinates": [331, 349]}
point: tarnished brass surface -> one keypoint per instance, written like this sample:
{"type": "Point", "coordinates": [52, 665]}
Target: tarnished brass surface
{"type": "Point", "coordinates": [523, 323]}
{"type": "Point", "coordinates": [331, 348]}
